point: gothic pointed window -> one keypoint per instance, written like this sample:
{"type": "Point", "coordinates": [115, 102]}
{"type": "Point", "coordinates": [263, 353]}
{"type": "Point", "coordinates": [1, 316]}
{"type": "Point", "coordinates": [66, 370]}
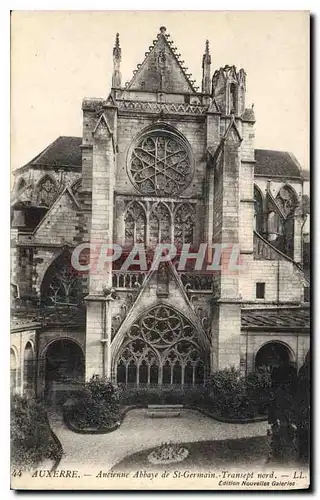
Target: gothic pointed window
{"type": "Point", "coordinates": [21, 184]}
{"type": "Point", "coordinates": [287, 200]}
{"type": "Point", "coordinates": [135, 224]}
{"type": "Point", "coordinates": [184, 224]}
{"type": "Point", "coordinates": [160, 163]}
{"type": "Point", "coordinates": [161, 348]}
{"type": "Point", "coordinates": [159, 224]}
{"type": "Point", "coordinates": [258, 210]}
{"type": "Point", "coordinates": [46, 192]}
{"type": "Point", "coordinates": [62, 284]}
{"type": "Point", "coordinates": [233, 98]}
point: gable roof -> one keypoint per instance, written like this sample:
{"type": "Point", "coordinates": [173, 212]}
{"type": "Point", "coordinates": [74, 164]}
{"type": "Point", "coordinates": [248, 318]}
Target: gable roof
{"type": "Point", "coordinates": [65, 151]}
{"type": "Point", "coordinates": [162, 69]}
{"type": "Point", "coordinates": [270, 318]}
{"type": "Point", "coordinates": [270, 163]}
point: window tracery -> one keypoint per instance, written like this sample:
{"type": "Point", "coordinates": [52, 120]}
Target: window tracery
{"type": "Point", "coordinates": [167, 222]}
{"type": "Point", "coordinates": [160, 164]}
{"type": "Point", "coordinates": [287, 200]}
{"type": "Point", "coordinates": [159, 224]}
{"type": "Point", "coordinates": [161, 349]}
{"type": "Point", "coordinates": [47, 191]}
{"type": "Point", "coordinates": [258, 211]}
{"type": "Point", "coordinates": [62, 284]}
{"type": "Point", "coordinates": [135, 224]}
{"type": "Point", "coordinates": [184, 223]}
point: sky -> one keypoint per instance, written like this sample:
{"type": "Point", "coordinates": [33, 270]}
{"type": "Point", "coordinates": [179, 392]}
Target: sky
{"type": "Point", "coordinates": [60, 57]}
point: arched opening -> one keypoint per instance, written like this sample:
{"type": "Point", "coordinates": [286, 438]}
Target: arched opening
{"type": "Point", "coordinates": [13, 370]}
{"type": "Point", "coordinates": [258, 211]}
{"type": "Point", "coordinates": [159, 225]}
{"type": "Point", "coordinates": [47, 191]}
{"type": "Point", "coordinates": [28, 369]}
{"type": "Point", "coordinates": [135, 224]}
{"type": "Point", "coordinates": [184, 224]}
{"type": "Point", "coordinates": [233, 98]}
{"type": "Point", "coordinates": [62, 285]}
{"type": "Point", "coordinates": [273, 355]}
{"type": "Point", "coordinates": [64, 370]}
{"type": "Point", "coordinates": [162, 349]}
{"type": "Point", "coordinates": [21, 184]}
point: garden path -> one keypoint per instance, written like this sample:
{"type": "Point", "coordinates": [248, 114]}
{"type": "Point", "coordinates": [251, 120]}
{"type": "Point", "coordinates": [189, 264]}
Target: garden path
{"type": "Point", "coordinates": [139, 432]}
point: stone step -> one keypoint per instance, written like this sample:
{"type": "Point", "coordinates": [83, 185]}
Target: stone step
{"type": "Point", "coordinates": [163, 413]}
{"type": "Point", "coordinates": [164, 407]}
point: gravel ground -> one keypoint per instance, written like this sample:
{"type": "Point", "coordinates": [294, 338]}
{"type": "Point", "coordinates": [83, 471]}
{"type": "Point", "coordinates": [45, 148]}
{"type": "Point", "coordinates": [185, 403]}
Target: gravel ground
{"type": "Point", "coordinates": [138, 432]}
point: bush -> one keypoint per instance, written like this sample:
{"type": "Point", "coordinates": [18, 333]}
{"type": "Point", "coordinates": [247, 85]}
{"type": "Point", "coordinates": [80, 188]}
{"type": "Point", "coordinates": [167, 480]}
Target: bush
{"type": "Point", "coordinates": [146, 396]}
{"type": "Point", "coordinates": [258, 390]}
{"type": "Point", "coordinates": [31, 438]}
{"type": "Point", "coordinates": [235, 396]}
{"type": "Point", "coordinates": [97, 406]}
{"type": "Point", "coordinates": [228, 391]}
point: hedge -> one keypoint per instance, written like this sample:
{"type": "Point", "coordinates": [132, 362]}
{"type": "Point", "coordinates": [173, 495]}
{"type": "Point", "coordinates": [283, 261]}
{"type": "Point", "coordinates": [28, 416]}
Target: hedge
{"type": "Point", "coordinates": [32, 441]}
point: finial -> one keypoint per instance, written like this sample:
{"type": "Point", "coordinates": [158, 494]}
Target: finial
{"type": "Point", "coordinates": [207, 46]}
{"type": "Point", "coordinates": [117, 49]}
{"type": "Point", "coordinates": [163, 29]}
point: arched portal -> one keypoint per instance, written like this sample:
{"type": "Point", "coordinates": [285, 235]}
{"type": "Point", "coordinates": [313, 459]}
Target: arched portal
{"type": "Point", "coordinates": [273, 355]}
{"type": "Point", "coordinates": [161, 348]}
{"type": "Point", "coordinates": [64, 369]}
{"type": "Point", "coordinates": [28, 369]}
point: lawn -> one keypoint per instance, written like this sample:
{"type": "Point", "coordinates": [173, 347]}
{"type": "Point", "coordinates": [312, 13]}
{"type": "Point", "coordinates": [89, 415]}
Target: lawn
{"type": "Point", "coordinates": [205, 455]}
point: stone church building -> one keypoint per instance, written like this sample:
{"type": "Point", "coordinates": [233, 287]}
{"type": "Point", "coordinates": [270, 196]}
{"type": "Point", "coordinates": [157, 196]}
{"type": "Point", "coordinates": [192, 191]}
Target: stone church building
{"type": "Point", "coordinates": [159, 161]}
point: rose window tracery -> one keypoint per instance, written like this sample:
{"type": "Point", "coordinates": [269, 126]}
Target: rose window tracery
{"type": "Point", "coordinates": [161, 348]}
{"type": "Point", "coordinates": [160, 164]}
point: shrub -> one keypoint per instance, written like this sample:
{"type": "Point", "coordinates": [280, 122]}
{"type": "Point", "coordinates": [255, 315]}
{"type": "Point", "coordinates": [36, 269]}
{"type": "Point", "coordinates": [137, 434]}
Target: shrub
{"type": "Point", "coordinates": [97, 407]}
{"type": "Point", "coordinates": [146, 396]}
{"type": "Point", "coordinates": [258, 389]}
{"type": "Point", "coordinates": [228, 391]}
{"type": "Point", "coordinates": [140, 396]}
{"type": "Point", "coordinates": [31, 438]}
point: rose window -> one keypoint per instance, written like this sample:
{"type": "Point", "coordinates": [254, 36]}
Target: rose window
{"type": "Point", "coordinates": [160, 165]}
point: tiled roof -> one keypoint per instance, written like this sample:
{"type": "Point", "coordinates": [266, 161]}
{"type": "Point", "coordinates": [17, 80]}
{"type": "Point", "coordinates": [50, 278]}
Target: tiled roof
{"type": "Point", "coordinates": [66, 152]}
{"type": "Point", "coordinates": [287, 318]}
{"type": "Point", "coordinates": [63, 152]}
{"type": "Point", "coordinates": [276, 163]}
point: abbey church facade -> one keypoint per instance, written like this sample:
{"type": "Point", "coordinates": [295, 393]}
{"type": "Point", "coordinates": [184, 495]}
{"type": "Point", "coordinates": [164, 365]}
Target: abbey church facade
{"type": "Point", "coordinates": [159, 161]}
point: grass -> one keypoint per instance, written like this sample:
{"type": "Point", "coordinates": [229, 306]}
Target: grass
{"type": "Point", "coordinates": [205, 455]}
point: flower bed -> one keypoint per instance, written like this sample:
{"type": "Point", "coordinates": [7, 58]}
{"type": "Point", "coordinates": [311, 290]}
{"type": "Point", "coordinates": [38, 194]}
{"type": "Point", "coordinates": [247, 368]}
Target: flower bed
{"type": "Point", "coordinates": [168, 453]}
